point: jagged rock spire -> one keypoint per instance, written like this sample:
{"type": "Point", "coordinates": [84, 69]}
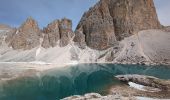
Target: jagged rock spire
{"type": "Point", "coordinates": [27, 36]}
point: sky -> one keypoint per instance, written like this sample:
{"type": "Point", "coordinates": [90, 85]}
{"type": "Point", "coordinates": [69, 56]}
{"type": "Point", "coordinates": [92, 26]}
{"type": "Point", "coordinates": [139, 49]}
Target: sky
{"type": "Point", "coordinates": [15, 12]}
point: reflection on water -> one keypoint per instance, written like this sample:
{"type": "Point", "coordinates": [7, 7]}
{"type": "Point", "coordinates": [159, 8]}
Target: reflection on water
{"type": "Point", "coordinates": [55, 84]}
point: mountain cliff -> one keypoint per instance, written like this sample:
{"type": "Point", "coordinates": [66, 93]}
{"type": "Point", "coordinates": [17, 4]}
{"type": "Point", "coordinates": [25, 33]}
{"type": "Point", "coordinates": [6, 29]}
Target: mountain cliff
{"type": "Point", "coordinates": [58, 30]}
{"type": "Point", "coordinates": [113, 20]}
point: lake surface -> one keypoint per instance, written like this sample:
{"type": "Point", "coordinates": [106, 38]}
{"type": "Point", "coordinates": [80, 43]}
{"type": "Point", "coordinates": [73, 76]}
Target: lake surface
{"type": "Point", "coordinates": [56, 84]}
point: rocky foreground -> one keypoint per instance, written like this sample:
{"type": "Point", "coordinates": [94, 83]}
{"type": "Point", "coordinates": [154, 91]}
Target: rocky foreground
{"type": "Point", "coordinates": [143, 88]}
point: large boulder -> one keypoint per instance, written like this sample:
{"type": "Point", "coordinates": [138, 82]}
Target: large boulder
{"type": "Point", "coordinates": [111, 20]}
{"type": "Point", "coordinates": [27, 36]}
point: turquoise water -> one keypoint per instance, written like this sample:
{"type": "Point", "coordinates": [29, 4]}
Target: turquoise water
{"type": "Point", "coordinates": [55, 84]}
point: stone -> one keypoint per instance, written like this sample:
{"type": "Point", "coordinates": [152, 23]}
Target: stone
{"type": "Point", "coordinates": [97, 25]}
{"type": "Point", "coordinates": [113, 20]}
{"type": "Point", "coordinates": [167, 28]}
{"type": "Point", "coordinates": [79, 39]}
{"type": "Point", "coordinates": [150, 81]}
{"type": "Point", "coordinates": [27, 36]}
{"type": "Point", "coordinates": [51, 34]}
{"type": "Point", "coordinates": [132, 16]}
{"type": "Point", "coordinates": [10, 35]}
{"type": "Point", "coordinates": [58, 31]}
{"type": "Point", "coordinates": [5, 30]}
{"type": "Point", "coordinates": [66, 33]}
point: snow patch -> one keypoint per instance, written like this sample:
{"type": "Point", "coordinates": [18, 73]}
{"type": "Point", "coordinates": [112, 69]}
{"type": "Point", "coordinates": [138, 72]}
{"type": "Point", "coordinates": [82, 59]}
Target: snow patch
{"type": "Point", "coordinates": [147, 98]}
{"type": "Point", "coordinates": [136, 86]}
{"type": "Point", "coordinates": [73, 63]}
{"type": "Point", "coordinates": [38, 51]}
{"type": "Point", "coordinates": [17, 32]}
{"type": "Point", "coordinates": [40, 63]}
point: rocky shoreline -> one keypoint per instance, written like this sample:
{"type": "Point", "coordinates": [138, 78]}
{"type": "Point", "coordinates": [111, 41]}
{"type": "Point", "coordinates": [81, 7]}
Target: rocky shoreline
{"type": "Point", "coordinates": [130, 93]}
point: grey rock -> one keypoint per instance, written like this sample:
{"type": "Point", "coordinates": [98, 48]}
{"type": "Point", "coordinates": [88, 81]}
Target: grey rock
{"type": "Point", "coordinates": [66, 33]}
{"type": "Point", "coordinates": [27, 36]}
{"type": "Point", "coordinates": [52, 34]}
{"type": "Point", "coordinates": [113, 20]}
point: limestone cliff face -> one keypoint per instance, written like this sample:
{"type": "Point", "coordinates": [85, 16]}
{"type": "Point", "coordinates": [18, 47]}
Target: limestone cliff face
{"type": "Point", "coordinates": [58, 31]}
{"type": "Point", "coordinates": [79, 39]}
{"type": "Point", "coordinates": [66, 32]}
{"type": "Point", "coordinates": [97, 25]}
{"type": "Point", "coordinates": [52, 34]}
{"type": "Point", "coordinates": [27, 36]}
{"type": "Point", "coordinates": [111, 20]}
{"type": "Point", "coordinates": [131, 16]}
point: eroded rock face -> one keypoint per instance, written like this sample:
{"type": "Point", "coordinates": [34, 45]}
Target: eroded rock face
{"type": "Point", "coordinates": [131, 16]}
{"type": "Point", "coordinates": [52, 34]}
{"type": "Point", "coordinates": [59, 31]}
{"type": "Point", "coordinates": [66, 33]}
{"type": "Point", "coordinates": [79, 39]}
{"type": "Point", "coordinates": [97, 25]}
{"type": "Point", "coordinates": [27, 36]}
{"type": "Point", "coordinates": [111, 20]}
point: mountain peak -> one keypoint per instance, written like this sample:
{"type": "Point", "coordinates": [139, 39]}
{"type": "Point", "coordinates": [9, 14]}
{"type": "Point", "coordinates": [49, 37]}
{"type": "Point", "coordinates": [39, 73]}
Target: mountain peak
{"type": "Point", "coordinates": [111, 20]}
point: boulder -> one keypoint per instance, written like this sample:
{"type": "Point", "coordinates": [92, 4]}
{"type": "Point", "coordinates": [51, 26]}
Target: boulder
{"type": "Point", "coordinates": [150, 81]}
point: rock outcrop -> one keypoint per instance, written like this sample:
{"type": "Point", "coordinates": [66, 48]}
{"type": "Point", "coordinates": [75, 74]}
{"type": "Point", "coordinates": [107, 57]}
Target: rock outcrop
{"type": "Point", "coordinates": [79, 39]}
{"type": "Point", "coordinates": [150, 81]}
{"type": "Point", "coordinates": [59, 31]}
{"type": "Point", "coordinates": [66, 33]}
{"type": "Point", "coordinates": [4, 31]}
{"type": "Point", "coordinates": [52, 34]}
{"type": "Point", "coordinates": [97, 25]}
{"type": "Point", "coordinates": [27, 36]}
{"type": "Point", "coordinates": [111, 20]}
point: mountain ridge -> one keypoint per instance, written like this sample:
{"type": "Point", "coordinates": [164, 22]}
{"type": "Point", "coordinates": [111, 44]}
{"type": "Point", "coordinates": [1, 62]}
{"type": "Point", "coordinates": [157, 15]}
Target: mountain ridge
{"type": "Point", "coordinates": [112, 31]}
